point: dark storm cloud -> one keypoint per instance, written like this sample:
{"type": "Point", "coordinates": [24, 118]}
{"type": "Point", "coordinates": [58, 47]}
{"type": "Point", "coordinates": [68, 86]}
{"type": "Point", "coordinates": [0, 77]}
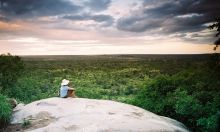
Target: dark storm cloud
{"type": "Point", "coordinates": [25, 9]}
{"type": "Point", "coordinates": [98, 5]}
{"type": "Point", "coordinates": [106, 20]}
{"type": "Point", "coordinates": [55, 11]}
{"type": "Point", "coordinates": [171, 16]}
{"type": "Point", "coordinates": [181, 7]}
{"type": "Point", "coordinates": [31, 8]}
{"type": "Point", "coordinates": [137, 24]}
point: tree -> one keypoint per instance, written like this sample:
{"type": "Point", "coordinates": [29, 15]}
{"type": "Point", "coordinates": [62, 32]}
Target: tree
{"type": "Point", "coordinates": [216, 26]}
{"type": "Point", "coordinates": [10, 69]}
{"type": "Point", "coordinates": [215, 58]}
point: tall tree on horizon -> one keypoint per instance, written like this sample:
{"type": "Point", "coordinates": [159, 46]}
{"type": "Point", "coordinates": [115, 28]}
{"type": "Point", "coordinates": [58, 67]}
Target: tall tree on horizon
{"type": "Point", "coordinates": [216, 26]}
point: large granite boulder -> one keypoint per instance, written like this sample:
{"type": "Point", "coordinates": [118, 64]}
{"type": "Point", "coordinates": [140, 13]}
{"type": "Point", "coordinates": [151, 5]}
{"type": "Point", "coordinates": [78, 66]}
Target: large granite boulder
{"type": "Point", "coordinates": [90, 115]}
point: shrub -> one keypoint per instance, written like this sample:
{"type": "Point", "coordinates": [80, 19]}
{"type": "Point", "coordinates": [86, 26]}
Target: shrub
{"type": "Point", "coordinates": [185, 97]}
{"type": "Point", "coordinates": [10, 68]}
{"type": "Point", "coordinates": [5, 111]}
{"type": "Point", "coordinates": [26, 123]}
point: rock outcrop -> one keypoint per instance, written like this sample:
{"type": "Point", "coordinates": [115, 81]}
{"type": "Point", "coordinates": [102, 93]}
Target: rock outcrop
{"type": "Point", "coordinates": [90, 115]}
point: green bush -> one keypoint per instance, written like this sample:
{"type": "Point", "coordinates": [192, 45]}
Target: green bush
{"type": "Point", "coordinates": [10, 69]}
{"type": "Point", "coordinates": [5, 111]}
{"type": "Point", "coordinates": [189, 97]}
{"type": "Point", "coordinates": [26, 123]}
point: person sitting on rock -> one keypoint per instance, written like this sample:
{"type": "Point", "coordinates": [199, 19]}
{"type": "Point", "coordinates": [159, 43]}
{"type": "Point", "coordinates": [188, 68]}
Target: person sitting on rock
{"type": "Point", "coordinates": [65, 90]}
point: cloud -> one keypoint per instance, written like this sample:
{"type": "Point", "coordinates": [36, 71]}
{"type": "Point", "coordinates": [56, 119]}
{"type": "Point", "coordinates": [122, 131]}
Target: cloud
{"type": "Point", "coordinates": [39, 8]}
{"type": "Point", "coordinates": [105, 20]}
{"type": "Point", "coordinates": [97, 5]}
{"type": "Point", "coordinates": [172, 16]}
{"type": "Point", "coordinates": [43, 15]}
{"type": "Point", "coordinates": [4, 19]}
{"type": "Point", "coordinates": [110, 20]}
{"type": "Point", "coordinates": [35, 8]}
{"type": "Point", "coordinates": [138, 24]}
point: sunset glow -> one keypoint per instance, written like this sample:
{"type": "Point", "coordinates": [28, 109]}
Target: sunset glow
{"type": "Point", "coordinates": [59, 27]}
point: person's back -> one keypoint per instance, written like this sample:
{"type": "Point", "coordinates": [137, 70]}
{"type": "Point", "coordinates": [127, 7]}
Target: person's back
{"type": "Point", "coordinates": [63, 91]}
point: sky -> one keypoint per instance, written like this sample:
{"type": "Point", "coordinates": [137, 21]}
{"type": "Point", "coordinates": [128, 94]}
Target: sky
{"type": "Point", "coordinates": [91, 27]}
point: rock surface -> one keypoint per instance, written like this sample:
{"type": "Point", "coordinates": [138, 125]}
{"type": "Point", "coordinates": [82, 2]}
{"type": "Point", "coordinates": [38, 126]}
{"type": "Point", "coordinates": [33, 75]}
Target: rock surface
{"type": "Point", "coordinates": [89, 115]}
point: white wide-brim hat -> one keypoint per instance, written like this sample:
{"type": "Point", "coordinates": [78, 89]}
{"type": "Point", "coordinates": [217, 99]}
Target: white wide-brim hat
{"type": "Point", "coordinates": [65, 82]}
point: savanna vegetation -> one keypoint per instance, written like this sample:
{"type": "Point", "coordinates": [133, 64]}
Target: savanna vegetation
{"type": "Point", "coordinates": [5, 111]}
{"type": "Point", "coordinates": [10, 69]}
{"type": "Point", "coordinates": [184, 87]}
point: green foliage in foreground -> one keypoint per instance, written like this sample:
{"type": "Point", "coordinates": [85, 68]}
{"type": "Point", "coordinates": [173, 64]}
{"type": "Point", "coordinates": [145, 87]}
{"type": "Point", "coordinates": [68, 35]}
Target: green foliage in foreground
{"type": "Point", "coordinates": [189, 96]}
{"type": "Point", "coordinates": [10, 69]}
{"type": "Point", "coordinates": [185, 89]}
{"type": "Point", "coordinates": [5, 111]}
